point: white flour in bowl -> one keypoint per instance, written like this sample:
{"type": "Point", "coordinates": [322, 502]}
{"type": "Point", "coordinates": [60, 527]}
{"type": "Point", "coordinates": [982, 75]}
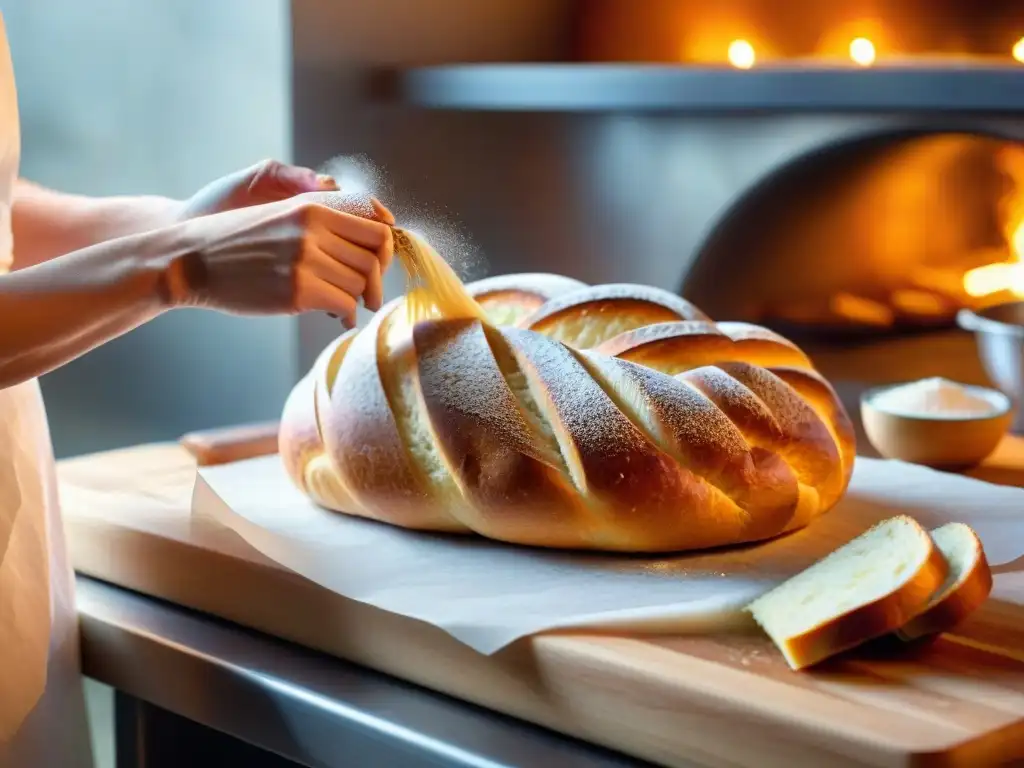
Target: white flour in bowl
{"type": "Point", "coordinates": [939, 398]}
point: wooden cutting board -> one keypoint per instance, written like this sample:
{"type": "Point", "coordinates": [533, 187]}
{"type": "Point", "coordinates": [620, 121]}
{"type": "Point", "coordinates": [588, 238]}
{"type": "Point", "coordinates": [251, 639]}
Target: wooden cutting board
{"type": "Point", "coordinates": [718, 701]}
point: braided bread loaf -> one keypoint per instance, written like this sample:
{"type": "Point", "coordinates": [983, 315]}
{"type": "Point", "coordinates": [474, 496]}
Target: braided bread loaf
{"type": "Point", "coordinates": [615, 417]}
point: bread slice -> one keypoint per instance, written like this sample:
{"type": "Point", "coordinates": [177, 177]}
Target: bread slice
{"type": "Point", "coordinates": [867, 588]}
{"type": "Point", "coordinates": [966, 587]}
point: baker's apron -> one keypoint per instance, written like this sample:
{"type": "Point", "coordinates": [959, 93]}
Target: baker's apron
{"type": "Point", "coordinates": [42, 709]}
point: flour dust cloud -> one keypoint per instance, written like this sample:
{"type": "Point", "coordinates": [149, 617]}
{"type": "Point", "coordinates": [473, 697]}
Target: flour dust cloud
{"type": "Point", "coordinates": [357, 174]}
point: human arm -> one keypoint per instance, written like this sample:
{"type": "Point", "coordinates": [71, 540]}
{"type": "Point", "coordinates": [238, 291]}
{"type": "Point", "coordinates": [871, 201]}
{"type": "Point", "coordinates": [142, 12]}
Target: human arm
{"type": "Point", "coordinates": [47, 223]}
{"type": "Point", "coordinates": [53, 312]}
{"type": "Point", "coordinates": [280, 258]}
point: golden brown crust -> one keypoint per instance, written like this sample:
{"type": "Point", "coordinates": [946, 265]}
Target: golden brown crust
{"type": "Point", "coordinates": [820, 396]}
{"type": "Point", "coordinates": [299, 433]}
{"type": "Point", "coordinates": [588, 317]}
{"type": "Point", "coordinates": [510, 298]}
{"type": "Point", "coordinates": [362, 438]}
{"type": "Point", "coordinates": [759, 489]}
{"type": "Point", "coordinates": [515, 486]}
{"type": "Point", "coordinates": [299, 438]}
{"type": "Point", "coordinates": [461, 426]}
{"type": "Point", "coordinates": [952, 606]}
{"type": "Point", "coordinates": [674, 347]}
{"type": "Point", "coordinates": [872, 620]}
{"type": "Point", "coordinates": [642, 497]}
{"type": "Point", "coordinates": [773, 417]}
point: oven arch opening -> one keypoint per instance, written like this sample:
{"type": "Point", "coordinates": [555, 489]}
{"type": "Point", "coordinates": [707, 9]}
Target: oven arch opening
{"type": "Point", "coordinates": [885, 225]}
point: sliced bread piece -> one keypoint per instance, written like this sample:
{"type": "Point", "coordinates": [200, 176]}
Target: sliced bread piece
{"type": "Point", "coordinates": [966, 587]}
{"type": "Point", "coordinates": [869, 587]}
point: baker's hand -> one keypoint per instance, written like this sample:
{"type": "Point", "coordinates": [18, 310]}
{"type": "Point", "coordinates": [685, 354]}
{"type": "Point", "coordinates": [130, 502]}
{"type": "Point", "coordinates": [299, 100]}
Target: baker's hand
{"type": "Point", "coordinates": [266, 182]}
{"type": "Point", "coordinates": [315, 252]}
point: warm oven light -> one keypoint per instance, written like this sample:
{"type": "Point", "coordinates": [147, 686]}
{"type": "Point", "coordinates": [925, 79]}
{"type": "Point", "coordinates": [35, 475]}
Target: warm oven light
{"type": "Point", "coordinates": [741, 54]}
{"type": "Point", "coordinates": [862, 51]}
{"type": "Point", "coordinates": [995, 278]}
{"type": "Point", "coordinates": [1018, 50]}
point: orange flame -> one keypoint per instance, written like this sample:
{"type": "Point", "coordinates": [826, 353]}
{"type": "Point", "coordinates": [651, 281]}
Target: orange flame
{"type": "Point", "coordinates": [1007, 277]}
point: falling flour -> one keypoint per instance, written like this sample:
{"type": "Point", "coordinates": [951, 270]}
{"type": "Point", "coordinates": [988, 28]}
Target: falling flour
{"type": "Point", "coordinates": [936, 398]}
{"type": "Point", "coordinates": [358, 175]}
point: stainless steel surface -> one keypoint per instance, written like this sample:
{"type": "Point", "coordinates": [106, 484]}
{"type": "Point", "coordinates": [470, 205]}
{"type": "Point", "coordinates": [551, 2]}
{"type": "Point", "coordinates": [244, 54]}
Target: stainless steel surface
{"type": "Point", "coordinates": [633, 88]}
{"type": "Point", "coordinates": [315, 710]}
{"type": "Point", "coordinates": [999, 333]}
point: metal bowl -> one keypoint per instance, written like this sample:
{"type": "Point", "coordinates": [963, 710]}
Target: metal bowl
{"type": "Point", "coordinates": [999, 333]}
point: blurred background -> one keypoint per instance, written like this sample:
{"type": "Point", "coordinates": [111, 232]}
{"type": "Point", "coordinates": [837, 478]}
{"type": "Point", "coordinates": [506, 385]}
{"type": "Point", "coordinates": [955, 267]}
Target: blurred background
{"type": "Point", "coordinates": [120, 96]}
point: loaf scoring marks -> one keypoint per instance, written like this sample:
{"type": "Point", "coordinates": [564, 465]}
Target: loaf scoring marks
{"type": "Point", "coordinates": [517, 436]}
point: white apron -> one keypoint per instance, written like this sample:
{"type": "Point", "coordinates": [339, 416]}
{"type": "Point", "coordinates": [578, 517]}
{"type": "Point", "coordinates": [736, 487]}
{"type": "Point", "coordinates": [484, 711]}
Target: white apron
{"type": "Point", "coordinates": [42, 708]}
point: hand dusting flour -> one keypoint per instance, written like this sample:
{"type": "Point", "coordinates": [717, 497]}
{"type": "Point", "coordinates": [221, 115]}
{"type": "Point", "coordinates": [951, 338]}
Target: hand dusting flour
{"type": "Point", "coordinates": [357, 174]}
{"type": "Point", "coordinates": [938, 398]}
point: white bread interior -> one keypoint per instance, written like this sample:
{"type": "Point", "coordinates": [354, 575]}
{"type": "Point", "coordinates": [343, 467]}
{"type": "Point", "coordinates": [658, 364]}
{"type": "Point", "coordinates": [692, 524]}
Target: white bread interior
{"type": "Point", "coordinates": [869, 587]}
{"type": "Point", "coordinates": [508, 299]}
{"type": "Point", "coordinates": [967, 585]}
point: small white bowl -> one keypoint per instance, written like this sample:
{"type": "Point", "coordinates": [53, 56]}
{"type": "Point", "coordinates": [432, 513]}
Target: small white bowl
{"type": "Point", "coordinates": [939, 440]}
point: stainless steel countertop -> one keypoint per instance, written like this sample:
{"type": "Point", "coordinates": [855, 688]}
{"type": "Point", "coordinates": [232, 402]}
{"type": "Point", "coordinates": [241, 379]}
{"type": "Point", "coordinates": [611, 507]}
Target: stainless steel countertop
{"type": "Point", "coordinates": [308, 707]}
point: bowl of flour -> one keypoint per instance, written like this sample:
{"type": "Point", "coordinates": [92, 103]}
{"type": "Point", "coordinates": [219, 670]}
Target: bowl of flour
{"type": "Point", "coordinates": [936, 422]}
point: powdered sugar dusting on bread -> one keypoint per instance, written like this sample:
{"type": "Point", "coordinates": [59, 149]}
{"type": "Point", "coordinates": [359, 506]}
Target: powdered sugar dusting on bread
{"type": "Point", "coordinates": [527, 436]}
{"type": "Point", "coordinates": [544, 285]}
{"type": "Point", "coordinates": [590, 316]}
{"type": "Point", "coordinates": [820, 396]}
{"type": "Point", "coordinates": [362, 436]}
{"type": "Point", "coordinates": [681, 308]}
{"type": "Point", "coordinates": [587, 414]}
{"type": "Point", "coordinates": [459, 373]}
{"type": "Point", "coordinates": [710, 444]}
{"type": "Point", "coordinates": [809, 445]}
{"type": "Point", "coordinates": [679, 346]}
{"type": "Point", "coordinates": [508, 299]}
{"type": "Point", "coordinates": [630, 477]}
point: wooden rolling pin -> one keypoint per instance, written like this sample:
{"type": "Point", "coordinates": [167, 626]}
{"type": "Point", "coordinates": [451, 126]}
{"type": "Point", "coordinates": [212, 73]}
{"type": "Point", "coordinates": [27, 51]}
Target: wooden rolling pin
{"type": "Point", "coordinates": [227, 444]}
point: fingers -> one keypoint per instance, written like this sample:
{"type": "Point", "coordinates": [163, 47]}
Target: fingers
{"type": "Point", "coordinates": [337, 273]}
{"type": "Point", "coordinates": [352, 203]}
{"type": "Point", "coordinates": [273, 180]}
{"type": "Point", "coordinates": [319, 295]}
{"type": "Point", "coordinates": [374, 236]}
{"type": "Point", "coordinates": [327, 183]}
{"type": "Point", "coordinates": [373, 299]}
{"type": "Point", "coordinates": [382, 213]}
{"type": "Point", "coordinates": [359, 261]}
{"type": "Point", "coordinates": [386, 251]}
{"type": "Point", "coordinates": [362, 219]}
{"type": "Point", "coordinates": [355, 243]}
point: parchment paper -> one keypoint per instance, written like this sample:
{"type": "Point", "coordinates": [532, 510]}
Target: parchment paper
{"type": "Point", "coordinates": [488, 594]}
